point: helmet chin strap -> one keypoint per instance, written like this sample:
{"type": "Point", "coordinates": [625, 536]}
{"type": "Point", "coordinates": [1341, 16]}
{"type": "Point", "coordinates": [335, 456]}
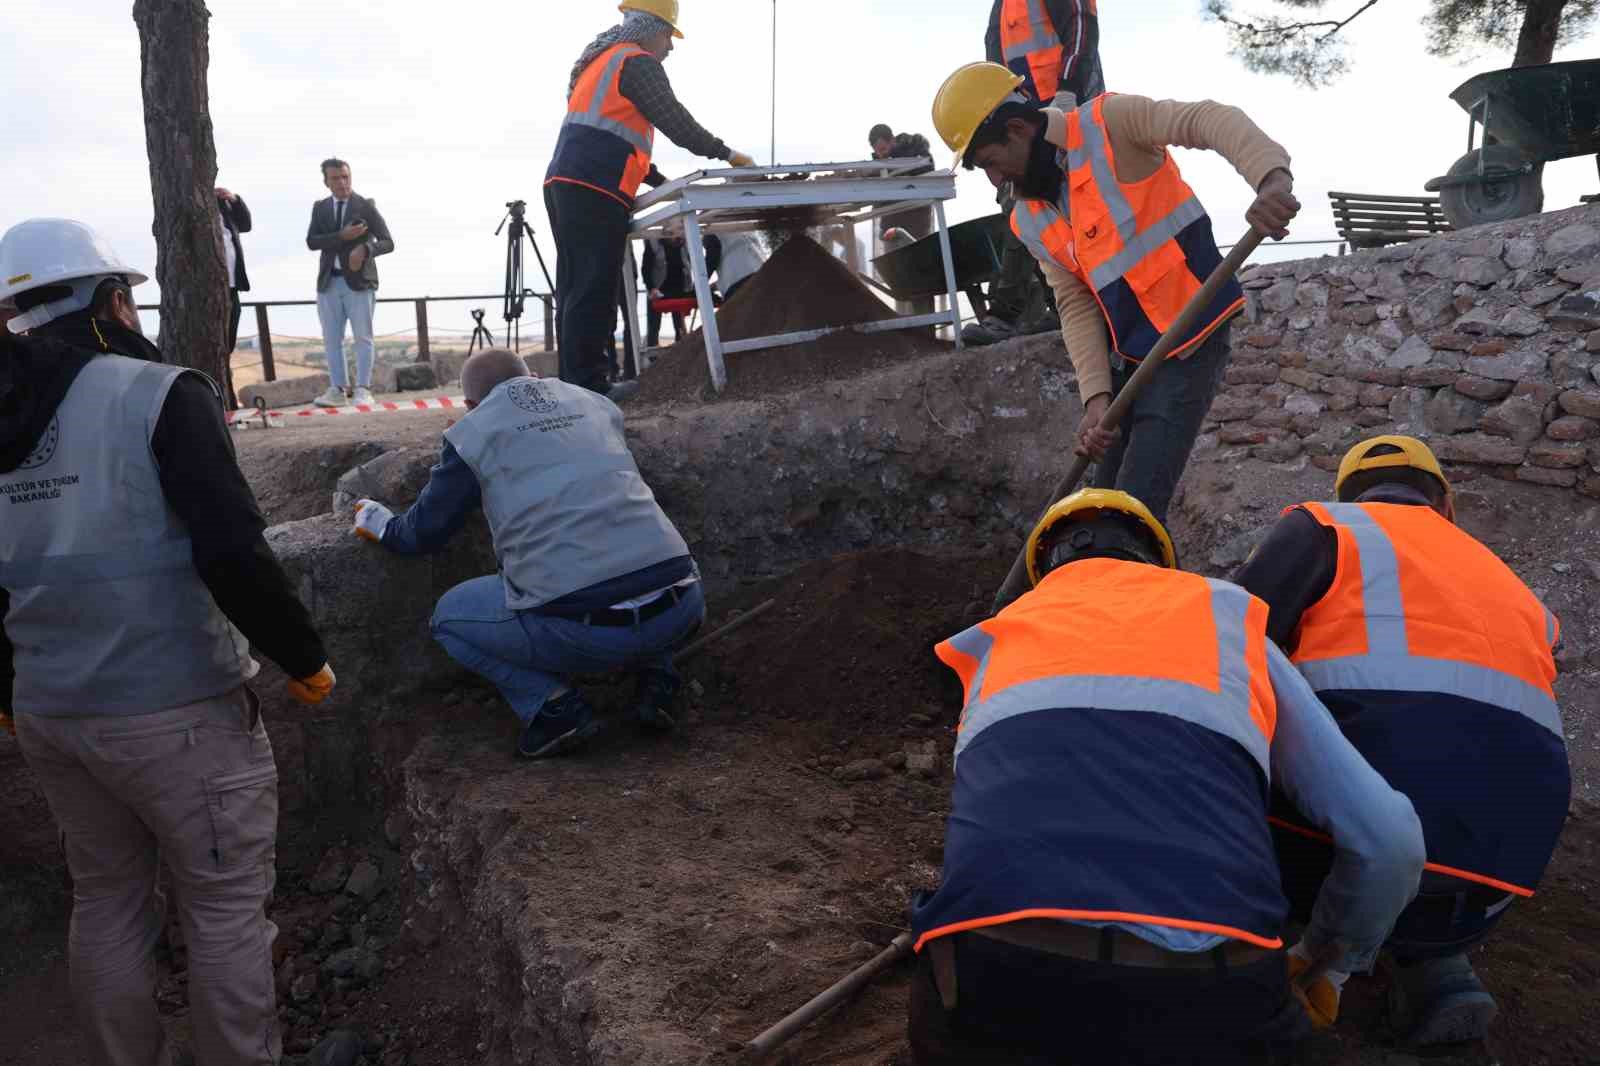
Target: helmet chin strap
{"type": "Point", "coordinates": [82, 296]}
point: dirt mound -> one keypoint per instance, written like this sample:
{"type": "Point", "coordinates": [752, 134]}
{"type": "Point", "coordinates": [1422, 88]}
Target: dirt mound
{"type": "Point", "coordinates": [801, 287]}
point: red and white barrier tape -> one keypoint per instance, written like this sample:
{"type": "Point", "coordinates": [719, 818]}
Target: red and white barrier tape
{"type": "Point", "coordinates": [247, 416]}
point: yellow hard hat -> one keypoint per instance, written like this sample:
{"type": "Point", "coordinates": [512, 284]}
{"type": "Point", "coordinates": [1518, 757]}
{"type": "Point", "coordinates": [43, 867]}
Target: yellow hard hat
{"type": "Point", "coordinates": [1089, 503]}
{"type": "Point", "coordinates": [1409, 452]}
{"type": "Point", "coordinates": [967, 98]}
{"type": "Point", "coordinates": [665, 10]}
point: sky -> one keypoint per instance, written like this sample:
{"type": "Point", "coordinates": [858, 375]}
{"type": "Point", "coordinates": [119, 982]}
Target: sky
{"type": "Point", "coordinates": [446, 111]}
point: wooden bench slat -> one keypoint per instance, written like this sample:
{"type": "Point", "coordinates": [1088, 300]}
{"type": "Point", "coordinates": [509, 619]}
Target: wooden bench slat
{"type": "Point", "coordinates": [1383, 199]}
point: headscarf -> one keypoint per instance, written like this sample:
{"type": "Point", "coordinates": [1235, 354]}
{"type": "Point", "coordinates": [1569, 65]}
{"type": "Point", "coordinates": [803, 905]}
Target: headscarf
{"type": "Point", "coordinates": [636, 27]}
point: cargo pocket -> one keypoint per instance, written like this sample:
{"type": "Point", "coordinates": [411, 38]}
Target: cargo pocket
{"type": "Point", "coordinates": [244, 815]}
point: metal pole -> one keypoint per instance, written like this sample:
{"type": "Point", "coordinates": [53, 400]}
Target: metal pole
{"type": "Point", "coordinates": [264, 340]}
{"type": "Point", "coordinates": [1016, 581]}
{"type": "Point", "coordinates": [949, 272]}
{"type": "Point", "coordinates": [708, 309]}
{"type": "Point", "coordinates": [422, 331]}
{"type": "Point", "coordinates": [767, 1042]}
{"type": "Point", "coordinates": [774, 156]}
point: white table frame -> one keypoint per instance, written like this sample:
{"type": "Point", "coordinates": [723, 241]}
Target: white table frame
{"type": "Point", "coordinates": [729, 200]}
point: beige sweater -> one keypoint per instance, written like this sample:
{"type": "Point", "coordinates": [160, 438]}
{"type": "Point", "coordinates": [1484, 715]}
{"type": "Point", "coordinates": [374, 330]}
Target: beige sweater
{"type": "Point", "coordinates": [1140, 130]}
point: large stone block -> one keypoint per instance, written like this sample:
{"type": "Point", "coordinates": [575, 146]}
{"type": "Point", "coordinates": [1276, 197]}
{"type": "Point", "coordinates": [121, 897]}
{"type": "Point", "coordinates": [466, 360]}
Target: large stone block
{"type": "Point", "coordinates": [1480, 271]}
{"type": "Point", "coordinates": [1554, 454]}
{"type": "Point", "coordinates": [1580, 311]}
{"type": "Point", "coordinates": [1520, 417]}
{"type": "Point", "coordinates": [1515, 365]}
{"type": "Point", "coordinates": [1543, 475]}
{"type": "Point", "coordinates": [1584, 402]}
{"type": "Point", "coordinates": [286, 392]}
{"type": "Point", "coordinates": [1413, 352]}
{"type": "Point", "coordinates": [1580, 238]}
{"type": "Point", "coordinates": [1451, 412]}
{"type": "Point", "coordinates": [1521, 322]}
{"type": "Point", "coordinates": [1484, 389]}
{"type": "Point", "coordinates": [415, 377]}
{"type": "Point", "coordinates": [1280, 297]}
{"type": "Point", "coordinates": [1571, 427]}
{"type": "Point", "coordinates": [1480, 448]}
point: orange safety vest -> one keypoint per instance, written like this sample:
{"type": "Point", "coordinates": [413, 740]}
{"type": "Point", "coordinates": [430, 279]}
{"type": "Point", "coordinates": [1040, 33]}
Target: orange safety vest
{"type": "Point", "coordinates": [1437, 661]}
{"type": "Point", "coordinates": [1144, 249]}
{"type": "Point", "coordinates": [1079, 760]}
{"type": "Point", "coordinates": [606, 141]}
{"type": "Point", "coordinates": [1031, 46]}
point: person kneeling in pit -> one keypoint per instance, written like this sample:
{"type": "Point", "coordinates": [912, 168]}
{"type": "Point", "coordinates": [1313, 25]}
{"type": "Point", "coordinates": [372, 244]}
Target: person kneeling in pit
{"type": "Point", "coordinates": [593, 576]}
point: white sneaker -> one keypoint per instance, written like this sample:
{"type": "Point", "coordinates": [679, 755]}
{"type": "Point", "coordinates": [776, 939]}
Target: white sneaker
{"type": "Point", "coordinates": [332, 398]}
{"type": "Point", "coordinates": [363, 396]}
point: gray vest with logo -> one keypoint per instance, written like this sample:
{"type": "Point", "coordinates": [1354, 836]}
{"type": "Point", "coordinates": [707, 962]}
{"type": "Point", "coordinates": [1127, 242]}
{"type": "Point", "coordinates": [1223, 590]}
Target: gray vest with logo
{"type": "Point", "coordinates": [562, 494]}
{"type": "Point", "coordinates": [108, 614]}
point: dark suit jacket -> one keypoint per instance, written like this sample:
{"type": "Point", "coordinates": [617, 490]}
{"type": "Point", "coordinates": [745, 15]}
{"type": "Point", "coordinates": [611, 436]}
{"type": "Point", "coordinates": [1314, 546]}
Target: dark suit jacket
{"type": "Point", "coordinates": [236, 220]}
{"type": "Point", "coordinates": [323, 236]}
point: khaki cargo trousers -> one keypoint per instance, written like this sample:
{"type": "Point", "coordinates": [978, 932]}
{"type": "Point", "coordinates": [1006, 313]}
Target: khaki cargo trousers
{"type": "Point", "coordinates": [194, 788]}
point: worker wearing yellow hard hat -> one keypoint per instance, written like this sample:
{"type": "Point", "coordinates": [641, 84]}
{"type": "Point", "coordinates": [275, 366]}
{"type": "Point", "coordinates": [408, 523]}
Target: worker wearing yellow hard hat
{"type": "Point", "coordinates": [1109, 883]}
{"type": "Point", "coordinates": [1124, 243]}
{"type": "Point", "coordinates": [618, 96]}
{"type": "Point", "coordinates": [1437, 661]}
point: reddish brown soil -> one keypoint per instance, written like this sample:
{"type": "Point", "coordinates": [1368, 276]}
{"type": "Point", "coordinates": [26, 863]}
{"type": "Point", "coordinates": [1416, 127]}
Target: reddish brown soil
{"type": "Point", "coordinates": [801, 287]}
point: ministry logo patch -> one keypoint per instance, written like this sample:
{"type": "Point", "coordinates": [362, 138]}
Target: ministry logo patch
{"type": "Point", "coordinates": [534, 397]}
{"type": "Point", "coordinates": [46, 448]}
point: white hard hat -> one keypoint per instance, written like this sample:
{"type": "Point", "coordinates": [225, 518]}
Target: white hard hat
{"type": "Point", "coordinates": [53, 251]}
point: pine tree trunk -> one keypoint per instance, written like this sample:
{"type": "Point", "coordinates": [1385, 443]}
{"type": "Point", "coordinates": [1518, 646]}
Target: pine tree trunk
{"type": "Point", "coordinates": [190, 264]}
{"type": "Point", "coordinates": [1541, 24]}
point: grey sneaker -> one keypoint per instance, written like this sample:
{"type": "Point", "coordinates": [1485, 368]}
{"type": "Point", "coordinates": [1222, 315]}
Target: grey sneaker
{"type": "Point", "coordinates": [562, 725]}
{"type": "Point", "coordinates": [1439, 1001]}
{"type": "Point", "coordinates": [334, 397]}
{"type": "Point", "coordinates": [622, 391]}
{"type": "Point", "coordinates": [362, 396]}
{"type": "Point", "coordinates": [988, 330]}
{"type": "Point", "coordinates": [1042, 324]}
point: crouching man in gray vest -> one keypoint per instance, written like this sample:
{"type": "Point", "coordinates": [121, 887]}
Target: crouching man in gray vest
{"type": "Point", "coordinates": [593, 576]}
{"type": "Point", "coordinates": [131, 561]}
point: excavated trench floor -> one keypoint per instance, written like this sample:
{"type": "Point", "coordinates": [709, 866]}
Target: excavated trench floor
{"type": "Point", "coordinates": [662, 900]}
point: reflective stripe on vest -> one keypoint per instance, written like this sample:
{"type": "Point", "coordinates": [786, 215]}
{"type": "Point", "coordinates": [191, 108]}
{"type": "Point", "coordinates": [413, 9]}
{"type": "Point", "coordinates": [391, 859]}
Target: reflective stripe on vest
{"type": "Point", "coordinates": [1235, 699]}
{"type": "Point", "coordinates": [1195, 720]}
{"type": "Point", "coordinates": [1031, 47]}
{"type": "Point", "coordinates": [1144, 250]}
{"type": "Point", "coordinates": [606, 142]}
{"type": "Point", "coordinates": [1359, 637]}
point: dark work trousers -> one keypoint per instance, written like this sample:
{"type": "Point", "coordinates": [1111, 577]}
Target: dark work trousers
{"type": "Point", "coordinates": [591, 231]}
{"type": "Point", "coordinates": [1158, 433]}
{"type": "Point", "coordinates": [1448, 917]}
{"type": "Point", "coordinates": [1019, 1007]}
{"type": "Point", "coordinates": [233, 342]}
{"type": "Point", "coordinates": [1020, 294]}
{"type": "Point", "coordinates": [679, 327]}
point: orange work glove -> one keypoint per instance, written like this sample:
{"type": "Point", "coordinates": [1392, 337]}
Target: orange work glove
{"type": "Point", "coordinates": [1320, 996]}
{"type": "Point", "coordinates": [314, 689]}
{"type": "Point", "coordinates": [7, 724]}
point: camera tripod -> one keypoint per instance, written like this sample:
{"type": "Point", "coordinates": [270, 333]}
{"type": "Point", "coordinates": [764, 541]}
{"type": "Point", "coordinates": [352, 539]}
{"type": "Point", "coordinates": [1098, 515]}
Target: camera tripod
{"type": "Point", "coordinates": [516, 291]}
{"type": "Point", "coordinates": [481, 337]}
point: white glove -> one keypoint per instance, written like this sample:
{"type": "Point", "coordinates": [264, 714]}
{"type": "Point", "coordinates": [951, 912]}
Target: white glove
{"type": "Point", "coordinates": [372, 518]}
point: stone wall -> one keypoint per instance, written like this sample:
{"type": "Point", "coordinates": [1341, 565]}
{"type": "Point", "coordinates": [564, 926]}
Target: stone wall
{"type": "Point", "coordinates": [1485, 343]}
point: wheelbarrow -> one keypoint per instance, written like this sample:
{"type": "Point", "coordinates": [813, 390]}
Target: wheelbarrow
{"type": "Point", "coordinates": [1530, 116]}
{"type": "Point", "coordinates": [917, 270]}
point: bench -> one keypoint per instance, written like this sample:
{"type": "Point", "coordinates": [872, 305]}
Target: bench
{"type": "Point", "coordinates": [1374, 221]}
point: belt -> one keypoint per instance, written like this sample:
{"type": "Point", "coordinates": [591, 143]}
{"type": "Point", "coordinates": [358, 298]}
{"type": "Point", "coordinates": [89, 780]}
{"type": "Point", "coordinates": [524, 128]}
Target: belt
{"type": "Point", "coordinates": [1118, 946]}
{"type": "Point", "coordinates": [615, 616]}
{"type": "Point", "coordinates": [1104, 945]}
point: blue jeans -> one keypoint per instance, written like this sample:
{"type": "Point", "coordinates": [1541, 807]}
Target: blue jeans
{"type": "Point", "coordinates": [1158, 433]}
{"type": "Point", "coordinates": [337, 304]}
{"type": "Point", "coordinates": [528, 656]}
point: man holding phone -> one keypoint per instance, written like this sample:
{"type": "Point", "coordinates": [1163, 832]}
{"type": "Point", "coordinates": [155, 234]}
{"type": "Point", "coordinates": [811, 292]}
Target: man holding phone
{"type": "Point", "coordinates": [350, 233]}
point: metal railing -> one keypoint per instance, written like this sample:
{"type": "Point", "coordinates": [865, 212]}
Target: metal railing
{"type": "Point", "coordinates": [269, 370]}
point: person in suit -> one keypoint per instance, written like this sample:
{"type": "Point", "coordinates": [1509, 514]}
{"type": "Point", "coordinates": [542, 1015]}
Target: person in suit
{"type": "Point", "coordinates": [235, 217]}
{"type": "Point", "coordinates": [350, 233]}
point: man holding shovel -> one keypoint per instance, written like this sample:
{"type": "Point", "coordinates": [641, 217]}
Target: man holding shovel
{"type": "Point", "coordinates": [1125, 244]}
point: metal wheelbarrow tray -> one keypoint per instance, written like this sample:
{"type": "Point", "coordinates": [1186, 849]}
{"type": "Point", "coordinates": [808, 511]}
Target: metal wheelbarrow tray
{"type": "Point", "coordinates": [917, 270]}
{"type": "Point", "coordinates": [1535, 115]}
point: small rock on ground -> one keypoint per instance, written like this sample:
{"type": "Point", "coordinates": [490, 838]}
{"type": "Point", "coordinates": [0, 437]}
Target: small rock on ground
{"type": "Point", "coordinates": [366, 881]}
